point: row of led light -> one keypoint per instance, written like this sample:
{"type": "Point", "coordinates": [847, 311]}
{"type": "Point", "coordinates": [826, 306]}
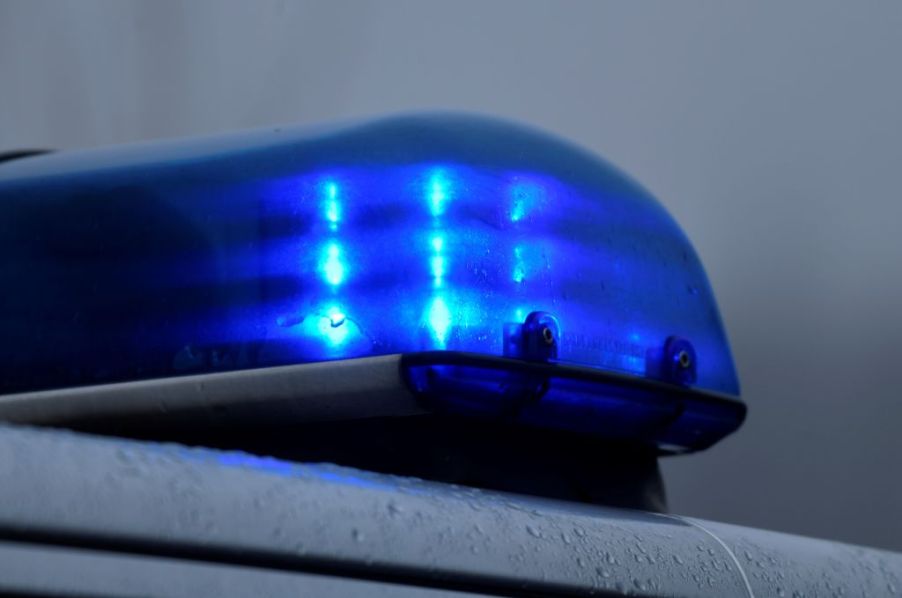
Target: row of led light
{"type": "Point", "coordinates": [438, 316]}
{"type": "Point", "coordinates": [332, 324]}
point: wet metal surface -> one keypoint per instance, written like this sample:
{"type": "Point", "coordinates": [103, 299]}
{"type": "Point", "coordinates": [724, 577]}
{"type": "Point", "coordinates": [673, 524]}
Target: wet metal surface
{"type": "Point", "coordinates": [229, 507]}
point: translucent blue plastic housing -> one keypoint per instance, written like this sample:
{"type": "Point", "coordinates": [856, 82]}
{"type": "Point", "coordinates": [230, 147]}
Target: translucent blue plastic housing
{"type": "Point", "coordinates": [423, 233]}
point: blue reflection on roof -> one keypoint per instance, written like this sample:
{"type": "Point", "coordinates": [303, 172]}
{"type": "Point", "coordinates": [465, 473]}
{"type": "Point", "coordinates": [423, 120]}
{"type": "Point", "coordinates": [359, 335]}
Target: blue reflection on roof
{"type": "Point", "coordinates": [407, 234]}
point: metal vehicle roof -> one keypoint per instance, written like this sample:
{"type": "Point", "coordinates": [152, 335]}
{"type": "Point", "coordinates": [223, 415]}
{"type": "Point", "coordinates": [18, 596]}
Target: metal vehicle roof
{"type": "Point", "coordinates": [212, 507]}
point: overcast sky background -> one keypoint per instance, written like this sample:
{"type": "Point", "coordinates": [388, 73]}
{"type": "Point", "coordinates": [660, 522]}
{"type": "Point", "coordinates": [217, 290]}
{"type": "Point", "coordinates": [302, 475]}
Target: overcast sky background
{"type": "Point", "coordinates": [771, 130]}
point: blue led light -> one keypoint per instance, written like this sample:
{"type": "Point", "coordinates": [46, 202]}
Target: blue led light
{"type": "Point", "coordinates": [333, 268]}
{"type": "Point", "coordinates": [331, 205]}
{"type": "Point", "coordinates": [333, 326]}
{"type": "Point", "coordinates": [402, 236]}
{"type": "Point", "coordinates": [437, 192]}
{"type": "Point", "coordinates": [437, 261]}
{"type": "Point", "coordinates": [439, 318]}
{"type": "Point", "coordinates": [525, 197]}
{"type": "Point", "coordinates": [438, 269]}
{"type": "Point", "coordinates": [519, 265]}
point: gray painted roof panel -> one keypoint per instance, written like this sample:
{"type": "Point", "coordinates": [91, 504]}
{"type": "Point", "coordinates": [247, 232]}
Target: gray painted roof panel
{"type": "Point", "coordinates": [235, 507]}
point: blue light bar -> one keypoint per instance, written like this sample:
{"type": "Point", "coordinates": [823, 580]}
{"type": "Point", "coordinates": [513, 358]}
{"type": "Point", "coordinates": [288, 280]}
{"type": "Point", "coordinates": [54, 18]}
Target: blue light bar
{"type": "Point", "coordinates": [406, 235]}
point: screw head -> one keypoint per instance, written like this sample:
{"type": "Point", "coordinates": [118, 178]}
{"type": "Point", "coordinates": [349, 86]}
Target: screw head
{"type": "Point", "coordinates": [547, 335]}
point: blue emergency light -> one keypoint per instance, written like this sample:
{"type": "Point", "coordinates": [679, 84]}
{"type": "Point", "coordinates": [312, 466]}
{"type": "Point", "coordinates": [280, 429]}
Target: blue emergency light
{"type": "Point", "coordinates": [515, 275]}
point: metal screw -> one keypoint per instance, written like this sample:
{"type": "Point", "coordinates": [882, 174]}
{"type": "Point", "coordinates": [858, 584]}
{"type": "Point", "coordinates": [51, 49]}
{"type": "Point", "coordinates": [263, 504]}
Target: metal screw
{"type": "Point", "coordinates": [684, 359]}
{"type": "Point", "coordinates": [547, 335]}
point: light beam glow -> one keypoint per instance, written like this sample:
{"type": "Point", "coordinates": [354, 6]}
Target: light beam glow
{"type": "Point", "coordinates": [438, 270]}
{"type": "Point", "coordinates": [333, 268]}
{"type": "Point", "coordinates": [438, 193]}
{"type": "Point", "coordinates": [519, 265]}
{"type": "Point", "coordinates": [525, 197]}
{"type": "Point", "coordinates": [331, 205]}
{"type": "Point", "coordinates": [437, 262]}
{"type": "Point", "coordinates": [333, 326]}
{"type": "Point", "coordinates": [439, 320]}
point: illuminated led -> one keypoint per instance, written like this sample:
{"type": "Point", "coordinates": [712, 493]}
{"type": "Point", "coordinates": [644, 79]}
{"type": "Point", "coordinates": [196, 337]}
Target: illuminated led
{"type": "Point", "coordinates": [333, 211]}
{"type": "Point", "coordinates": [518, 210]}
{"type": "Point", "coordinates": [332, 326]}
{"type": "Point", "coordinates": [438, 193]}
{"type": "Point", "coordinates": [437, 262]}
{"type": "Point", "coordinates": [438, 269]}
{"type": "Point", "coordinates": [331, 205]}
{"type": "Point", "coordinates": [519, 267]}
{"type": "Point", "coordinates": [525, 197]}
{"type": "Point", "coordinates": [439, 320]}
{"type": "Point", "coordinates": [333, 268]}
{"type": "Point", "coordinates": [336, 319]}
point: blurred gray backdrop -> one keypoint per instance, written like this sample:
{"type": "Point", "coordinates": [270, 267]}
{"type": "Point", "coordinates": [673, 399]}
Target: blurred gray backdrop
{"type": "Point", "coordinates": [772, 131]}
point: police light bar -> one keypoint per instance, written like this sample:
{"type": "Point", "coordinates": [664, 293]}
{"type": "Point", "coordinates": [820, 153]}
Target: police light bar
{"type": "Point", "coordinates": [507, 273]}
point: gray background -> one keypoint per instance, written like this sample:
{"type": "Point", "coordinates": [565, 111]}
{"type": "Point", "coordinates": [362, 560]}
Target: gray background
{"type": "Point", "coordinates": [772, 130]}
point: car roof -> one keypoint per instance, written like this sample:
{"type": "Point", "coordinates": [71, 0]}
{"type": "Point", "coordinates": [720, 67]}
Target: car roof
{"type": "Point", "coordinates": [229, 507]}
